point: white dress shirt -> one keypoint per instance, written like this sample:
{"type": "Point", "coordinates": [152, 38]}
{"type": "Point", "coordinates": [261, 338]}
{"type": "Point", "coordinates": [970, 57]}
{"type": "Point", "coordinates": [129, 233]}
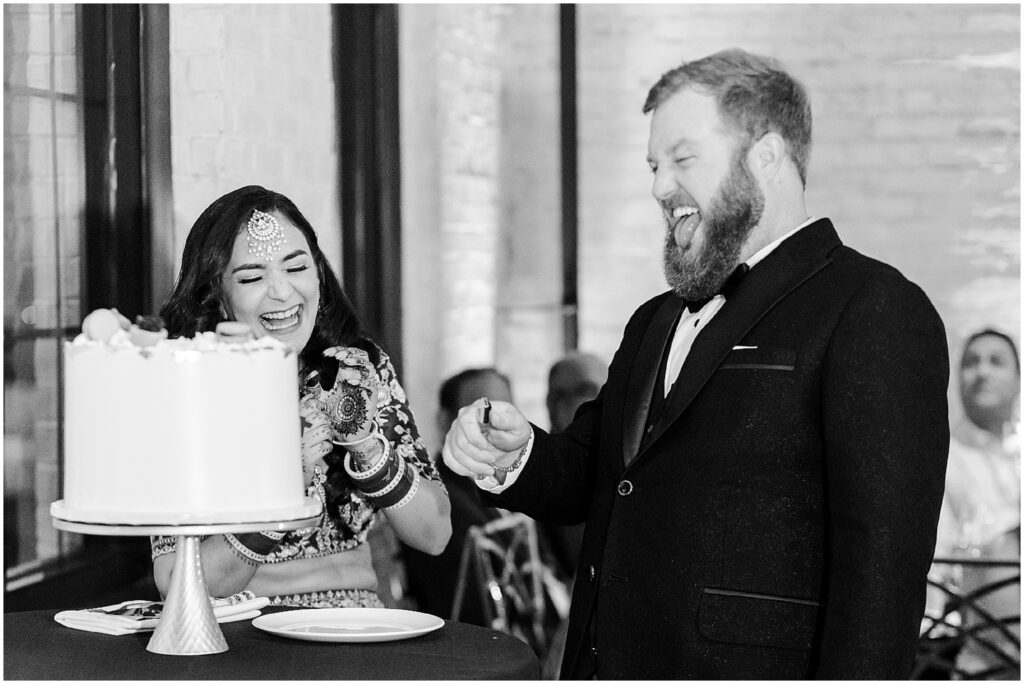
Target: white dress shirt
{"type": "Point", "coordinates": [689, 326]}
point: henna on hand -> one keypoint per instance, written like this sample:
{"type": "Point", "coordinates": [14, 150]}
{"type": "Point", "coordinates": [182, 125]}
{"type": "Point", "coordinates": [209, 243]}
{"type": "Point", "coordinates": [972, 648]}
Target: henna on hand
{"type": "Point", "coordinates": [352, 403]}
{"type": "Point", "coordinates": [350, 411]}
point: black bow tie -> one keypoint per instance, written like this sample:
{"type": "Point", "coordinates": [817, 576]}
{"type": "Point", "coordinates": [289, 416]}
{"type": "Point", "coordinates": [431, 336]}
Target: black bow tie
{"type": "Point", "coordinates": [727, 289]}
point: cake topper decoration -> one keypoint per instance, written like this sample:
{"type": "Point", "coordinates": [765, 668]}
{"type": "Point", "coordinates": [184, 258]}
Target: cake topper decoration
{"type": "Point", "coordinates": [151, 323]}
{"type": "Point", "coordinates": [265, 235]}
{"type": "Point", "coordinates": [147, 331]}
{"type": "Point", "coordinates": [101, 324]}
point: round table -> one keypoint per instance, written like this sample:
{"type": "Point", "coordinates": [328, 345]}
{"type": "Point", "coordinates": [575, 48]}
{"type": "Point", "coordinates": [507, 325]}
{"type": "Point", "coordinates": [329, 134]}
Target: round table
{"type": "Point", "coordinates": [37, 647]}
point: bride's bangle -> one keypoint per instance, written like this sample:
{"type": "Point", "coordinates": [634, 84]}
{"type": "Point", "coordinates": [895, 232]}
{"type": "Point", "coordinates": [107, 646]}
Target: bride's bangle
{"type": "Point", "coordinates": [367, 471]}
{"type": "Point", "coordinates": [374, 429]}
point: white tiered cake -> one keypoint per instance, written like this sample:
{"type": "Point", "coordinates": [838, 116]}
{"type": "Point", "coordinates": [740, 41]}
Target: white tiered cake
{"type": "Point", "coordinates": [186, 431]}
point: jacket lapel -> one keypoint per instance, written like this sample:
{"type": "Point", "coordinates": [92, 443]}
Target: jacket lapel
{"type": "Point", "coordinates": [644, 373]}
{"type": "Point", "coordinates": [790, 264]}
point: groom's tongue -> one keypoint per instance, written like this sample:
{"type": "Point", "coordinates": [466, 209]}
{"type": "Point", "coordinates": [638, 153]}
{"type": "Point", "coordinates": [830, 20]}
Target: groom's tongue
{"type": "Point", "coordinates": [687, 219]}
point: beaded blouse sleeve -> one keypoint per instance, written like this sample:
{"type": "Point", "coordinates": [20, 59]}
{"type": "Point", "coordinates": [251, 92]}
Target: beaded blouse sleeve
{"type": "Point", "coordinates": [398, 424]}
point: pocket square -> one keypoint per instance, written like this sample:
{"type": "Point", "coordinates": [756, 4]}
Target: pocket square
{"type": "Point", "coordinates": [759, 358]}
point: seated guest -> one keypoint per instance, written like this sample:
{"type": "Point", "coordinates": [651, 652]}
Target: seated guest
{"type": "Point", "coordinates": [981, 508]}
{"type": "Point", "coordinates": [574, 379]}
{"type": "Point", "coordinates": [432, 578]}
{"type": "Point", "coordinates": [252, 258]}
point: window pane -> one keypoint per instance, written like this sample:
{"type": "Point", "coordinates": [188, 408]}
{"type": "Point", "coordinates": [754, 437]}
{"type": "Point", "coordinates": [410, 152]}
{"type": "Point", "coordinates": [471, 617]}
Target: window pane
{"type": "Point", "coordinates": [44, 189]}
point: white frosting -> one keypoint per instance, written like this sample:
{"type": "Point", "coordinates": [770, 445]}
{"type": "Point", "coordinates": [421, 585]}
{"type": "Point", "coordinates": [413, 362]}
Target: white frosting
{"type": "Point", "coordinates": [188, 425]}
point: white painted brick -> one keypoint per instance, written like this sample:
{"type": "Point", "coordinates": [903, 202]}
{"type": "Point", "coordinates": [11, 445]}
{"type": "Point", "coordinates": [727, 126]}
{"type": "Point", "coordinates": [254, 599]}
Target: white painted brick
{"type": "Point", "coordinates": [893, 100]}
{"type": "Point", "coordinates": [195, 29]}
{"type": "Point", "coordinates": [262, 124]}
{"type": "Point", "coordinates": [204, 75]}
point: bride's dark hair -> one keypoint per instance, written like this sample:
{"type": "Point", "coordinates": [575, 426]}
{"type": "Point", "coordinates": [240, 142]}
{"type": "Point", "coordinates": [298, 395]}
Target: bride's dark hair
{"type": "Point", "coordinates": [197, 302]}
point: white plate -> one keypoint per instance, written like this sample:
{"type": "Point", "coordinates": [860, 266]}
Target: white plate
{"type": "Point", "coordinates": [349, 624]}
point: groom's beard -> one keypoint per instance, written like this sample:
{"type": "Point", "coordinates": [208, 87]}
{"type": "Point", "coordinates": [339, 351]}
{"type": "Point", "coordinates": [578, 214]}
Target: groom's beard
{"type": "Point", "coordinates": [732, 215]}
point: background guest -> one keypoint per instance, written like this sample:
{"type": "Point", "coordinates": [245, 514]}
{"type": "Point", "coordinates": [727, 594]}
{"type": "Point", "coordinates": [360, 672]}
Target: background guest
{"type": "Point", "coordinates": [252, 257]}
{"type": "Point", "coordinates": [432, 578]}
{"type": "Point", "coordinates": [981, 508]}
{"type": "Point", "coordinates": [574, 379]}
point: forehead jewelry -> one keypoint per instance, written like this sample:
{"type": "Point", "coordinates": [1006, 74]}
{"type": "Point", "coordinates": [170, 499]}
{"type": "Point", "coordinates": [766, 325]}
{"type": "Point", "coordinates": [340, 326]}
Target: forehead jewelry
{"type": "Point", "coordinates": [265, 235]}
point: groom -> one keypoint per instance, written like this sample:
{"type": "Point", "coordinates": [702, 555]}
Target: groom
{"type": "Point", "coordinates": [761, 475]}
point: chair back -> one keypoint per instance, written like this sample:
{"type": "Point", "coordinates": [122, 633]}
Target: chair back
{"type": "Point", "coordinates": [976, 634]}
{"type": "Point", "coordinates": [519, 592]}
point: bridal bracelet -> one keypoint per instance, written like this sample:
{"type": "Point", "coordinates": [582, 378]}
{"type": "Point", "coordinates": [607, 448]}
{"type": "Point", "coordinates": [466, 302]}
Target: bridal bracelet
{"type": "Point", "coordinates": [390, 482]}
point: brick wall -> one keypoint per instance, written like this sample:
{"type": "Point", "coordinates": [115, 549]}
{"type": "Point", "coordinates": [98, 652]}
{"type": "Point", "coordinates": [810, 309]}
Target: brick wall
{"type": "Point", "coordinates": [421, 207]}
{"type": "Point", "coordinates": [917, 144]}
{"type": "Point", "coordinates": [481, 199]}
{"type": "Point", "coordinates": [916, 159]}
{"type": "Point", "coordinates": [252, 102]}
{"type": "Point", "coordinates": [916, 155]}
{"type": "Point", "coordinates": [529, 325]}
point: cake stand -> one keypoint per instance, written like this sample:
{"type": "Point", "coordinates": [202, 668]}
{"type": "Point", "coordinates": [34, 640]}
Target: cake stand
{"type": "Point", "coordinates": [187, 625]}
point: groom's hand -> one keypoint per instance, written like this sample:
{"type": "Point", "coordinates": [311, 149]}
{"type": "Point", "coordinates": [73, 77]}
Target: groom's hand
{"type": "Point", "coordinates": [473, 447]}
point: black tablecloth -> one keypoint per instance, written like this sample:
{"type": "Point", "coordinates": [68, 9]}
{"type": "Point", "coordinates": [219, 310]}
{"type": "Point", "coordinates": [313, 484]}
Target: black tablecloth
{"type": "Point", "coordinates": [37, 647]}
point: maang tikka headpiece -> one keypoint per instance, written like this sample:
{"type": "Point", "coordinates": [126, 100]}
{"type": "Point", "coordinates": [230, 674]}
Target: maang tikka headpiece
{"type": "Point", "coordinates": [265, 235]}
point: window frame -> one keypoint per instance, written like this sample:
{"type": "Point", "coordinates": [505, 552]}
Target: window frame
{"type": "Point", "coordinates": [125, 232]}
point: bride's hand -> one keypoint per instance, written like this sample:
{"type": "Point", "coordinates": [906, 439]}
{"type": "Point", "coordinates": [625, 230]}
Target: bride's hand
{"type": "Point", "coordinates": [351, 404]}
{"type": "Point", "coordinates": [316, 436]}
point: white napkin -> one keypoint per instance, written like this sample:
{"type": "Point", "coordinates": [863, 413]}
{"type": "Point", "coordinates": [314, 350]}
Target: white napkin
{"type": "Point", "coordinates": [142, 616]}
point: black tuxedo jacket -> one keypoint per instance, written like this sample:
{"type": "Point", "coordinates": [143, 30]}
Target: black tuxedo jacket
{"type": "Point", "coordinates": [777, 518]}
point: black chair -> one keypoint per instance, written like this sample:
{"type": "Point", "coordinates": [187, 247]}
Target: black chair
{"type": "Point", "coordinates": [965, 622]}
{"type": "Point", "coordinates": [520, 594]}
